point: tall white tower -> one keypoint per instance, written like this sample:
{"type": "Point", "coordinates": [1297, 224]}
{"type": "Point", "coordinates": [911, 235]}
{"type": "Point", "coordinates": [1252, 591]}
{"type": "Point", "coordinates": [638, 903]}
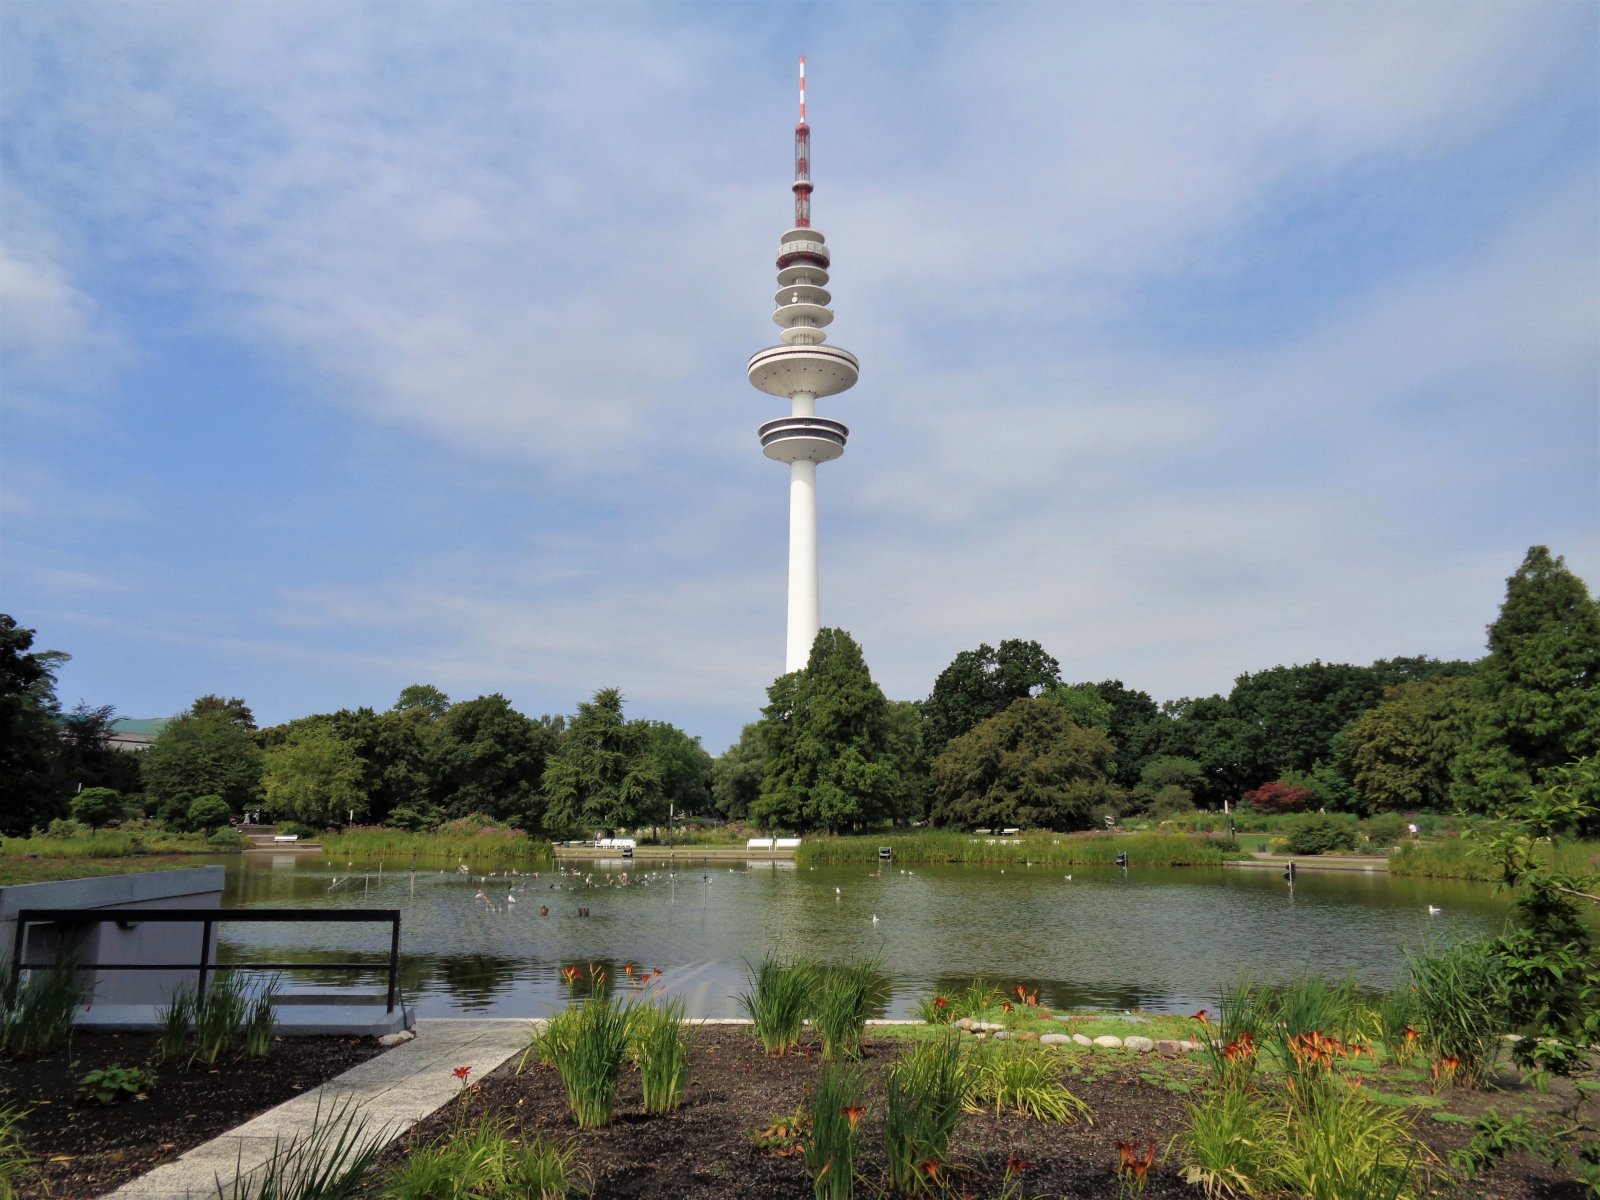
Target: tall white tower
{"type": "Point", "coordinates": [801, 370]}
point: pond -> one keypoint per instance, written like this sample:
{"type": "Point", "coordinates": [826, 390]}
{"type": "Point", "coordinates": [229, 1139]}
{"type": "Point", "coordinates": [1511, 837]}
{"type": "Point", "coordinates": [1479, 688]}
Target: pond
{"type": "Point", "coordinates": [1166, 940]}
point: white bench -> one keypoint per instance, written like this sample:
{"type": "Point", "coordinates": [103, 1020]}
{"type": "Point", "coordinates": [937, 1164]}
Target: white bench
{"type": "Point", "coordinates": [286, 837]}
{"type": "Point", "coordinates": [785, 843]}
{"type": "Point", "coordinates": [615, 844]}
{"type": "Point", "coordinates": [758, 844]}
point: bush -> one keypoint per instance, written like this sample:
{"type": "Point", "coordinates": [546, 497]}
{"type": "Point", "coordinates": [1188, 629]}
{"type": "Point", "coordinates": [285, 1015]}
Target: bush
{"type": "Point", "coordinates": [97, 806]}
{"type": "Point", "coordinates": [295, 828]}
{"type": "Point", "coordinates": [207, 812]}
{"type": "Point", "coordinates": [1279, 796]}
{"type": "Point", "coordinates": [413, 820]}
{"type": "Point", "coordinates": [1322, 833]}
{"type": "Point", "coordinates": [228, 839]}
{"type": "Point", "coordinates": [1385, 829]}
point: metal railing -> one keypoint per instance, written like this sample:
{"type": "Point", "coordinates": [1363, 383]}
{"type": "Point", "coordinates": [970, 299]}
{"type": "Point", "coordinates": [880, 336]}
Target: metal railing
{"type": "Point", "coordinates": [208, 919]}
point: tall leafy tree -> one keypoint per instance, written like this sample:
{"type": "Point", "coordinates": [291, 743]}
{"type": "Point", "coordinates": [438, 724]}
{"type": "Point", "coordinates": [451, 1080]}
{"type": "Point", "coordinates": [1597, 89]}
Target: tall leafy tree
{"type": "Point", "coordinates": [979, 683]}
{"type": "Point", "coordinates": [736, 775]}
{"type": "Point", "coordinates": [211, 754]}
{"type": "Point", "coordinates": [29, 793]}
{"type": "Point", "coordinates": [232, 708]}
{"type": "Point", "coordinates": [1135, 729]}
{"type": "Point", "coordinates": [423, 696]}
{"type": "Point", "coordinates": [605, 775]}
{"type": "Point", "coordinates": [1403, 748]}
{"type": "Point", "coordinates": [1538, 689]}
{"type": "Point", "coordinates": [1201, 728]}
{"type": "Point", "coordinates": [314, 776]}
{"type": "Point", "coordinates": [492, 760]}
{"type": "Point", "coordinates": [914, 785]}
{"type": "Point", "coordinates": [685, 770]}
{"type": "Point", "coordinates": [87, 758]}
{"type": "Point", "coordinates": [1029, 766]}
{"type": "Point", "coordinates": [1083, 704]}
{"type": "Point", "coordinates": [827, 735]}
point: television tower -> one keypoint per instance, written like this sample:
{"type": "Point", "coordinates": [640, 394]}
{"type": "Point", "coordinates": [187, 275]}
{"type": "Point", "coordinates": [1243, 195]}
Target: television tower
{"type": "Point", "coordinates": [801, 370]}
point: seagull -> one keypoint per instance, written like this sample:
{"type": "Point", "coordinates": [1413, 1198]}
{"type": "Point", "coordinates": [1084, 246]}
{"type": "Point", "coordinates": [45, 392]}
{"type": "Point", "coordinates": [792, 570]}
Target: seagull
{"type": "Point", "coordinates": [1068, 878]}
{"type": "Point", "coordinates": [874, 918]}
{"type": "Point", "coordinates": [1433, 910]}
{"type": "Point", "coordinates": [838, 892]}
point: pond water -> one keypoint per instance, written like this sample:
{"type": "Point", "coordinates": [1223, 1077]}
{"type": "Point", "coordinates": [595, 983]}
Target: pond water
{"type": "Point", "coordinates": [1164, 940]}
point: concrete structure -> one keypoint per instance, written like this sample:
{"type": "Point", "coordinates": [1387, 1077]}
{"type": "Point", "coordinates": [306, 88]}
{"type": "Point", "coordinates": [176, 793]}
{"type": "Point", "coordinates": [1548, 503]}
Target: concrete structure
{"type": "Point", "coordinates": [802, 370]}
{"type": "Point", "coordinates": [187, 887]}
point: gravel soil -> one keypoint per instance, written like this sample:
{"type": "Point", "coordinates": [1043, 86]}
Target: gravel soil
{"type": "Point", "coordinates": [88, 1149]}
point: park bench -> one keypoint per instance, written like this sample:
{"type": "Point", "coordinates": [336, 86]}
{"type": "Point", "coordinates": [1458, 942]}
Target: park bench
{"type": "Point", "coordinates": [286, 837]}
{"type": "Point", "coordinates": [758, 844]}
{"type": "Point", "coordinates": [785, 843]}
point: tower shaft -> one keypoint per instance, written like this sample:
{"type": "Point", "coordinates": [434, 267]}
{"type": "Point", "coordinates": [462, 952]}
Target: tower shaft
{"type": "Point", "coordinates": [802, 370]}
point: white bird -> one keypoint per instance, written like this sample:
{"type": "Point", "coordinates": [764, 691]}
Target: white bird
{"type": "Point", "coordinates": [874, 918]}
{"type": "Point", "coordinates": [1068, 878]}
{"type": "Point", "coordinates": [510, 899]}
{"type": "Point", "coordinates": [1433, 910]}
{"type": "Point", "coordinates": [838, 892]}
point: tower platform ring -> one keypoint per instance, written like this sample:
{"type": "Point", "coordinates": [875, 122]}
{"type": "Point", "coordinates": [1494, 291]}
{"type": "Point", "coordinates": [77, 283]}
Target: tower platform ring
{"type": "Point", "coordinates": [799, 439]}
{"type": "Point", "coordinates": [819, 370]}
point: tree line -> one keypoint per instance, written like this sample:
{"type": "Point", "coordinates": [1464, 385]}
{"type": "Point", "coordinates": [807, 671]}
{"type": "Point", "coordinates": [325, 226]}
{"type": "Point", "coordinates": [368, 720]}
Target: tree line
{"type": "Point", "coordinates": [1001, 740]}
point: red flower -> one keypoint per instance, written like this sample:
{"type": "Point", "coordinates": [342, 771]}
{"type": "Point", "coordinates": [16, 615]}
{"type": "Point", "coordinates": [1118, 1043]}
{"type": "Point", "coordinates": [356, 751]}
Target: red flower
{"type": "Point", "coordinates": [1006, 1007]}
{"type": "Point", "coordinates": [852, 1113]}
{"type": "Point", "coordinates": [940, 1002]}
{"type": "Point", "coordinates": [1126, 1150]}
{"type": "Point", "coordinates": [461, 1073]}
{"type": "Point", "coordinates": [1016, 1163]}
{"type": "Point", "coordinates": [1203, 1016]}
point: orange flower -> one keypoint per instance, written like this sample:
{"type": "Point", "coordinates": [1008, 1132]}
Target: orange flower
{"type": "Point", "coordinates": [1202, 1016]}
{"type": "Point", "coordinates": [627, 968]}
{"type": "Point", "coordinates": [940, 1002]}
{"type": "Point", "coordinates": [1140, 1165]}
{"type": "Point", "coordinates": [1005, 1007]}
{"type": "Point", "coordinates": [852, 1113]}
{"type": "Point", "coordinates": [1016, 1163]}
{"type": "Point", "coordinates": [931, 1169]}
{"type": "Point", "coordinates": [1127, 1151]}
{"type": "Point", "coordinates": [461, 1073]}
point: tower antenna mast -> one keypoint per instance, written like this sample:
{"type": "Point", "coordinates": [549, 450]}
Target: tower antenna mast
{"type": "Point", "coordinates": [802, 370]}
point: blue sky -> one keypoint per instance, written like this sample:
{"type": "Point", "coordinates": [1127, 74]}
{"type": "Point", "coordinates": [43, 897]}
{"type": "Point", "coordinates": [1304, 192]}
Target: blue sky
{"type": "Point", "coordinates": [348, 345]}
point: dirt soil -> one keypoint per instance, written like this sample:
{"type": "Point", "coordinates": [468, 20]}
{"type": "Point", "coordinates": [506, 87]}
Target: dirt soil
{"type": "Point", "coordinates": [88, 1149]}
{"type": "Point", "coordinates": [706, 1150]}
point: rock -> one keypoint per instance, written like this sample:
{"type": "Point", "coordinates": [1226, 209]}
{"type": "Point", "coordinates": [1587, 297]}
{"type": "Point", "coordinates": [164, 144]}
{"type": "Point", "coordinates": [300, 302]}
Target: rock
{"type": "Point", "coordinates": [1108, 1042]}
{"type": "Point", "coordinates": [1027, 1035]}
{"type": "Point", "coordinates": [1082, 1039]}
{"type": "Point", "coordinates": [1002, 1036]}
{"type": "Point", "coordinates": [1169, 1046]}
{"type": "Point", "coordinates": [396, 1039]}
{"type": "Point", "coordinates": [1056, 1039]}
{"type": "Point", "coordinates": [988, 1026]}
{"type": "Point", "coordinates": [1191, 1044]}
{"type": "Point", "coordinates": [1141, 1045]}
{"type": "Point", "coordinates": [966, 1023]}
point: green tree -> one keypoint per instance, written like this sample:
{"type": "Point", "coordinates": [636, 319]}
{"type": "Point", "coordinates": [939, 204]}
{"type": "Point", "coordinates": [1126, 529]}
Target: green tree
{"type": "Point", "coordinates": [1135, 729]}
{"type": "Point", "coordinates": [97, 806]}
{"type": "Point", "coordinates": [914, 785]}
{"type": "Point", "coordinates": [605, 776]}
{"type": "Point", "coordinates": [211, 754]}
{"type": "Point", "coordinates": [87, 758]}
{"type": "Point", "coordinates": [685, 770]}
{"type": "Point", "coordinates": [1169, 784]}
{"type": "Point", "coordinates": [1403, 748]}
{"type": "Point", "coordinates": [1202, 729]}
{"type": "Point", "coordinates": [233, 708]}
{"type": "Point", "coordinates": [979, 683]}
{"type": "Point", "coordinates": [1084, 704]}
{"type": "Point", "coordinates": [1029, 766]}
{"type": "Point", "coordinates": [29, 792]}
{"type": "Point", "coordinates": [736, 775]}
{"type": "Point", "coordinates": [1538, 690]}
{"type": "Point", "coordinates": [423, 696]}
{"type": "Point", "coordinates": [492, 760]}
{"type": "Point", "coordinates": [314, 776]}
{"type": "Point", "coordinates": [826, 730]}
{"type": "Point", "coordinates": [207, 812]}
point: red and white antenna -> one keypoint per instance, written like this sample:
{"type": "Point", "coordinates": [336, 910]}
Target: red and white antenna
{"type": "Point", "coordinates": [802, 160]}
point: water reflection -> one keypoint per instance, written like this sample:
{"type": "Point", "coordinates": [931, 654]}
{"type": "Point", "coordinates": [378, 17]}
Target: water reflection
{"type": "Point", "coordinates": [1167, 940]}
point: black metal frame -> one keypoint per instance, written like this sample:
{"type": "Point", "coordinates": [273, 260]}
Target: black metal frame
{"type": "Point", "coordinates": [208, 918]}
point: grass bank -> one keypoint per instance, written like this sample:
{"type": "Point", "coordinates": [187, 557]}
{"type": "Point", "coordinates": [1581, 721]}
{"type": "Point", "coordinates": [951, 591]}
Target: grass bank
{"type": "Point", "coordinates": [394, 845]}
{"type": "Point", "coordinates": [1094, 849]}
{"type": "Point", "coordinates": [50, 870]}
{"type": "Point", "coordinates": [1451, 858]}
{"type": "Point", "coordinates": [108, 843]}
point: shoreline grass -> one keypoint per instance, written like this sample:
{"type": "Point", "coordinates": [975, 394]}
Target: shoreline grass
{"type": "Point", "coordinates": [377, 842]}
{"type": "Point", "coordinates": [1452, 858]}
{"type": "Point", "coordinates": [1050, 849]}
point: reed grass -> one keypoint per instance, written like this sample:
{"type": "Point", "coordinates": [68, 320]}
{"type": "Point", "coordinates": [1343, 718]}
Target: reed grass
{"type": "Point", "coordinates": [840, 996]}
{"type": "Point", "coordinates": [586, 1044]}
{"type": "Point", "coordinates": [1233, 1142]}
{"type": "Point", "coordinates": [655, 1036]}
{"type": "Point", "coordinates": [1459, 996]}
{"type": "Point", "coordinates": [488, 844]}
{"type": "Point", "coordinates": [1454, 858]}
{"type": "Point", "coordinates": [16, 1164]}
{"type": "Point", "coordinates": [482, 1162]}
{"type": "Point", "coordinates": [36, 1015]}
{"type": "Point", "coordinates": [834, 1107]}
{"type": "Point", "coordinates": [1041, 849]}
{"type": "Point", "coordinates": [326, 1163]}
{"type": "Point", "coordinates": [923, 1098]}
{"type": "Point", "coordinates": [776, 1003]}
{"type": "Point", "coordinates": [1020, 1077]}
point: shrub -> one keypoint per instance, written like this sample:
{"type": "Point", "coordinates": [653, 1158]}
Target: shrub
{"type": "Point", "coordinates": [1460, 1001]}
{"type": "Point", "coordinates": [207, 812]}
{"type": "Point", "coordinates": [1020, 1077]}
{"type": "Point", "coordinates": [586, 1045]}
{"type": "Point", "coordinates": [16, 1164]}
{"type": "Point", "coordinates": [295, 828]}
{"type": "Point", "coordinates": [656, 1035]}
{"type": "Point", "coordinates": [97, 806]}
{"type": "Point", "coordinates": [225, 838]}
{"type": "Point", "coordinates": [922, 1106]}
{"type": "Point", "coordinates": [777, 1000]}
{"type": "Point", "coordinates": [834, 1109]}
{"type": "Point", "coordinates": [37, 1015]}
{"type": "Point", "coordinates": [481, 1162]}
{"type": "Point", "coordinates": [1322, 833]}
{"type": "Point", "coordinates": [1278, 797]}
{"type": "Point", "coordinates": [839, 1006]}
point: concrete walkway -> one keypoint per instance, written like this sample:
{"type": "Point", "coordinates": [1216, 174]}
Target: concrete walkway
{"type": "Point", "coordinates": [394, 1089]}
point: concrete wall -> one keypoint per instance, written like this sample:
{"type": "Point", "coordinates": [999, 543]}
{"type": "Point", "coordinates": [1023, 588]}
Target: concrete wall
{"type": "Point", "coordinates": [186, 887]}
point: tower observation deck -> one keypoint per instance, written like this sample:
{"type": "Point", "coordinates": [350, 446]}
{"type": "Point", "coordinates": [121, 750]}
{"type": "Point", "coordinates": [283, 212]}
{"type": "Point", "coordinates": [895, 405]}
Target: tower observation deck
{"type": "Point", "coordinates": [801, 369]}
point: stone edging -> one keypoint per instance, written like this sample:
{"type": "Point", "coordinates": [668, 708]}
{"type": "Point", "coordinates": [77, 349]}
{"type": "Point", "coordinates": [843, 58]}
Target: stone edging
{"type": "Point", "coordinates": [1135, 1042]}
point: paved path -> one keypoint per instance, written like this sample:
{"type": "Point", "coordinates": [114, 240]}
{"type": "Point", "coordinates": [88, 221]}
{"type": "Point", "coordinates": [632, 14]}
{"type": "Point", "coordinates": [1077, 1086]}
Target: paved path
{"type": "Point", "coordinates": [398, 1087]}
